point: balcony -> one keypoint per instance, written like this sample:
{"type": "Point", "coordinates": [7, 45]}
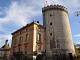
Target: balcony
{"type": "Point", "coordinates": [19, 44]}
{"type": "Point", "coordinates": [18, 53]}
{"type": "Point", "coordinates": [26, 43]}
{"type": "Point", "coordinates": [39, 43]}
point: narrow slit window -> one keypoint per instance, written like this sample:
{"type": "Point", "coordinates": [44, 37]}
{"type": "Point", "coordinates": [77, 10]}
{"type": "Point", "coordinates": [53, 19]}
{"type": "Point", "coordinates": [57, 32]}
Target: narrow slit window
{"type": "Point", "coordinates": [50, 15]}
{"type": "Point", "coordinates": [50, 23]}
{"type": "Point", "coordinates": [50, 33]}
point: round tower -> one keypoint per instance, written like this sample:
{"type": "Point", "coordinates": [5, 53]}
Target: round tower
{"type": "Point", "coordinates": [58, 33]}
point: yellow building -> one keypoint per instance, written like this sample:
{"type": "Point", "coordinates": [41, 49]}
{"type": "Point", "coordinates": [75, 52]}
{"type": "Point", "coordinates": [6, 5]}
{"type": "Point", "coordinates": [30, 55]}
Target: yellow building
{"type": "Point", "coordinates": [28, 41]}
{"type": "Point", "coordinates": [5, 51]}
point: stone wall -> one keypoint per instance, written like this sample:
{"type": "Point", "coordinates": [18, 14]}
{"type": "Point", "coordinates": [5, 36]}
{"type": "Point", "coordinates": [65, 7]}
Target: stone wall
{"type": "Point", "coordinates": [58, 33]}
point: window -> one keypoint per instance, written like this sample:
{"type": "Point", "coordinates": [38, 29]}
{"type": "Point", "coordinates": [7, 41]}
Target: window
{"type": "Point", "coordinates": [50, 23]}
{"type": "Point", "coordinates": [20, 40]}
{"type": "Point", "coordinates": [27, 37]}
{"type": "Point", "coordinates": [27, 29]}
{"type": "Point", "coordinates": [21, 32]}
{"type": "Point", "coordinates": [19, 49]}
{"type": "Point", "coordinates": [39, 29]}
{"type": "Point", "coordinates": [14, 42]}
{"type": "Point", "coordinates": [15, 34]}
{"type": "Point", "coordinates": [13, 49]}
{"type": "Point", "coordinates": [26, 49]}
{"type": "Point", "coordinates": [39, 48]}
{"type": "Point", "coordinates": [39, 37]}
{"type": "Point", "coordinates": [50, 33]}
{"type": "Point", "coordinates": [50, 15]}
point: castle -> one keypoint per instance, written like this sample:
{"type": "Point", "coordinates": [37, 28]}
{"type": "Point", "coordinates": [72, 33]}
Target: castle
{"type": "Point", "coordinates": [54, 37]}
{"type": "Point", "coordinates": [58, 33]}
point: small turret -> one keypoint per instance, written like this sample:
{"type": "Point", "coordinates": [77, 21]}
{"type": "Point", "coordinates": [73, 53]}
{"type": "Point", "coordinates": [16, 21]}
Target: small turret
{"type": "Point", "coordinates": [55, 7]}
{"type": "Point", "coordinates": [6, 42]}
{"type": "Point", "coordinates": [57, 33]}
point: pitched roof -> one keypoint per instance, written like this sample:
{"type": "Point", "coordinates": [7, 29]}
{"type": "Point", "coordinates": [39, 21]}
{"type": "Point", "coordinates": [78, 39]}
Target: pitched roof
{"type": "Point", "coordinates": [34, 22]}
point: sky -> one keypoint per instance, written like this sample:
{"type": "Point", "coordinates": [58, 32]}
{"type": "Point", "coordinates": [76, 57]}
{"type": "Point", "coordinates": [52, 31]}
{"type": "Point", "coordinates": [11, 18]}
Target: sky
{"type": "Point", "coordinates": [15, 14]}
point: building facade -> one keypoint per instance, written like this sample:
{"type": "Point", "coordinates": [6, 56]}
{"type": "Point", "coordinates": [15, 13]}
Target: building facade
{"type": "Point", "coordinates": [28, 41]}
{"type": "Point", "coordinates": [54, 37]}
{"type": "Point", "coordinates": [57, 33]}
{"type": "Point", "coordinates": [5, 51]}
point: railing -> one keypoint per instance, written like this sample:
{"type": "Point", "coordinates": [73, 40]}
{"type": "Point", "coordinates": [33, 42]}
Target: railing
{"type": "Point", "coordinates": [17, 53]}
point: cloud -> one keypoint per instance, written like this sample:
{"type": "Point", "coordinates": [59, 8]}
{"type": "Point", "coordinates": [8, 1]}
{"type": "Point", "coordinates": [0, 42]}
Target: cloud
{"type": "Point", "coordinates": [17, 14]}
{"type": "Point", "coordinates": [67, 3]}
{"type": "Point", "coordinates": [20, 12]}
{"type": "Point", "coordinates": [0, 41]}
{"type": "Point", "coordinates": [78, 35]}
{"type": "Point", "coordinates": [78, 43]}
{"type": "Point", "coordinates": [0, 13]}
{"type": "Point", "coordinates": [72, 6]}
{"type": "Point", "coordinates": [5, 37]}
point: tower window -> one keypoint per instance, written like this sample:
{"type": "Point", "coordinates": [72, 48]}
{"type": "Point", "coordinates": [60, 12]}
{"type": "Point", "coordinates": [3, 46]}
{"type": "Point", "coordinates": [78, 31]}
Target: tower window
{"type": "Point", "coordinates": [50, 23]}
{"type": "Point", "coordinates": [50, 33]}
{"type": "Point", "coordinates": [50, 15]}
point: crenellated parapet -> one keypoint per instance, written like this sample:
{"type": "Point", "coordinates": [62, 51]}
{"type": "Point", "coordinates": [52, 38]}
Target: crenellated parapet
{"type": "Point", "coordinates": [55, 7]}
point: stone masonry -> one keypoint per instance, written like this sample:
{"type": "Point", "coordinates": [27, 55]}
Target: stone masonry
{"type": "Point", "coordinates": [58, 33]}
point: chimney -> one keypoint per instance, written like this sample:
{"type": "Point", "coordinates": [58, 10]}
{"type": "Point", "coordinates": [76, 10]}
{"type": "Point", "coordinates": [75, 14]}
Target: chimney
{"type": "Point", "coordinates": [6, 42]}
{"type": "Point", "coordinates": [37, 21]}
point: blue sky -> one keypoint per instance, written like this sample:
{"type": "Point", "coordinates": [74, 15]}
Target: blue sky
{"type": "Point", "coordinates": [17, 13]}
